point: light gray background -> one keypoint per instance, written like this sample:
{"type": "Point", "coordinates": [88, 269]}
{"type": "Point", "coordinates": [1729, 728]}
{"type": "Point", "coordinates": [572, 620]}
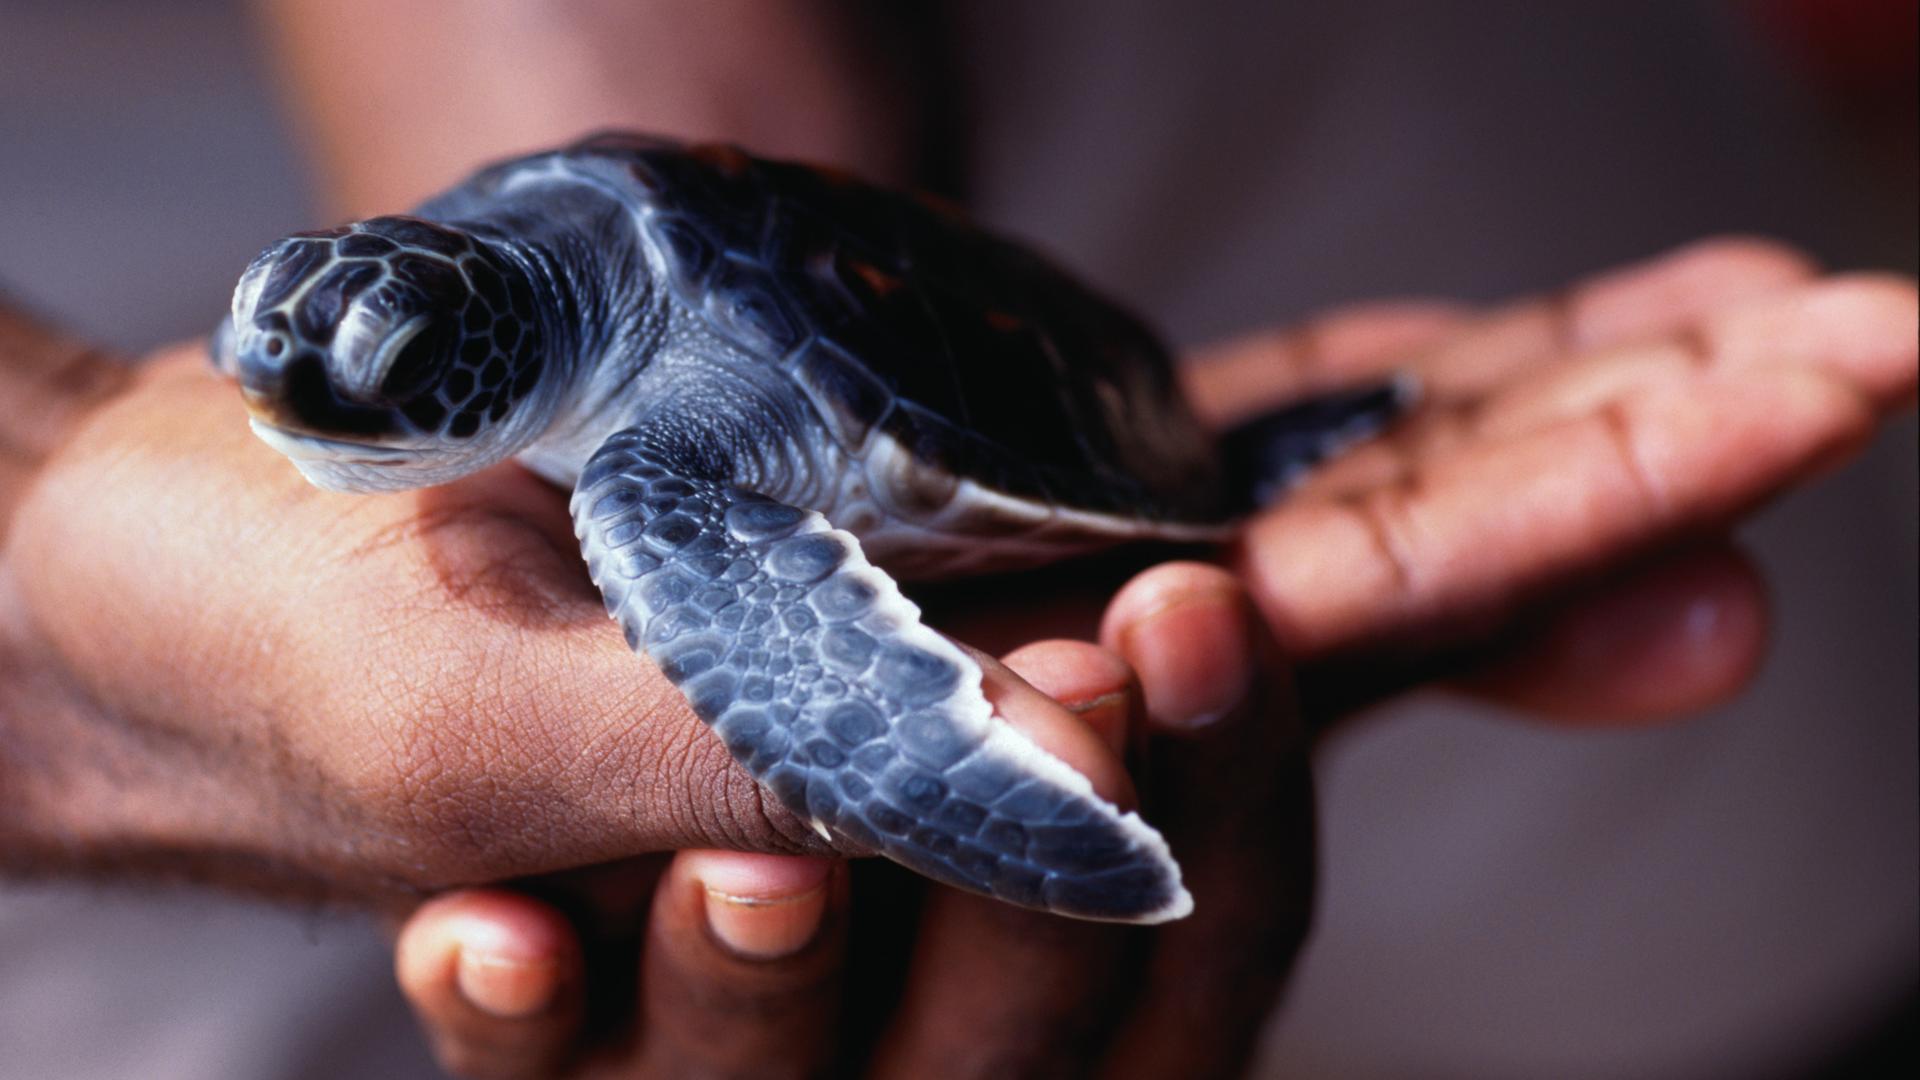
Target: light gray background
{"type": "Point", "coordinates": [1729, 897]}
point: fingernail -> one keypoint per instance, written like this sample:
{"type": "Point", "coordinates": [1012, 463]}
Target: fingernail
{"type": "Point", "coordinates": [1107, 716]}
{"type": "Point", "coordinates": [1194, 659]}
{"type": "Point", "coordinates": [766, 928]}
{"type": "Point", "coordinates": [502, 984]}
{"type": "Point", "coordinates": [761, 915]}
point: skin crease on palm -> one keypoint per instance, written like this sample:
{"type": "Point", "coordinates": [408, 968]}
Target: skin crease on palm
{"type": "Point", "coordinates": [211, 669]}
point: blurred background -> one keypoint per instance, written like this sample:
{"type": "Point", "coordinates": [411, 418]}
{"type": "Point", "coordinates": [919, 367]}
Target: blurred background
{"type": "Point", "coordinates": [1734, 896]}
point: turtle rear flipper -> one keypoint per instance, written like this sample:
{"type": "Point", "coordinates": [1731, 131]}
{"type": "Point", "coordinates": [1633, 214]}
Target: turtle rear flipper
{"type": "Point", "coordinates": [1268, 454]}
{"type": "Point", "coordinates": [820, 678]}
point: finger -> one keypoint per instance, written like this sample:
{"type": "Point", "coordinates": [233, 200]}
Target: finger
{"type": "Point", "coordinates": [1244, 377]}
{"type": "Point", "coordinates": [1232, 789]}
{"type": "Point", "coordinates": [1459, 357]}
{"type": "Point", "coordinates": [995, 990]}
{"type": "Point", "coordinates": [1643, 302]}
{"type": "Point", "coordinates": [495, 979]}
{"type": "Point", "coordinates": [1094, 694]}
{"type": "Point", "coordinates": [1471, 533]}
{"type": "Point", "coordinates": [1195, 665]}
{"type": "Point", "coordinates": [1855, 329]}
{"type": "Point", "coordinates": [740, 975]}
{"type": "Point", "coordinates": [1668, 640]}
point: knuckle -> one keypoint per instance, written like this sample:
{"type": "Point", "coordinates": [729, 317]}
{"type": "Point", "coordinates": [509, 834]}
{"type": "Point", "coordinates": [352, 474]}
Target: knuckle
{"type": "Point", "coordinates": [651, 774]}
{"type": "Point", "coordinates": [1384, 518]}
{"type": "Point", "coordinates": [721, 801]}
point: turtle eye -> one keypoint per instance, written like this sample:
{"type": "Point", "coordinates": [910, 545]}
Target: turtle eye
{"type": "Point", "coordinates": [419, 365]}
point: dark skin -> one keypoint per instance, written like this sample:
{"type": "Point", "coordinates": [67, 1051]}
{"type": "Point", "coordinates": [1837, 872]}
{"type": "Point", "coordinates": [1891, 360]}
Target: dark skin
{"type": "Point", "coordinates": [190, 708]}
{"type": "Point", "coordinates": [1643, 630]}
{"type": "Point", "coordinates": [190, 685]}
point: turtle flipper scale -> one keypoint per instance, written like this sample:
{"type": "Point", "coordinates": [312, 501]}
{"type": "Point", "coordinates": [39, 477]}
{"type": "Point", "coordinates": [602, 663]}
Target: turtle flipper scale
{"type": "Point", "coordinates": [820, 678]}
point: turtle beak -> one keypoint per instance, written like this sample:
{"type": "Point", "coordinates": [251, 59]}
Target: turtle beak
{"type": "Point", "coordinates": [301, 446]}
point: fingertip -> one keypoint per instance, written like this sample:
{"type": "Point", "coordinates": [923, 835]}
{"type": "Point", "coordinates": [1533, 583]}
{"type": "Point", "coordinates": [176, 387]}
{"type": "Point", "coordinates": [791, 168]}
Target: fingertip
{"type": "Point", "coordinates": [424, 953]}
{"type": "Point", "coordinates": [1860, 327]}
{"type": "Point", "coordinates": [1086, 745]}
{"type": "Point", "coordinates": [495, 979]}
{"type": "Point", "coordinates": [1188, 630]}
{"type": "Point", "coordinates": [1070, 671]}
{"type": "Point", "coordinates": [740, 972]}
{"type": "Point", "coordinates": [502, 953]}
{"type": "Point", "coordinates": [1159, 587]}
{"type": "Point", "coordinates": [1092, 682]}
{"type": "Point", "coordinates": [1672, 640]}
{"type": "Point", "coordinates": [760, 907]}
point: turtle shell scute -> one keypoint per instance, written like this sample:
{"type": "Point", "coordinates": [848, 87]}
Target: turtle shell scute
{"type": "Point", "coordinates": [893, 312]}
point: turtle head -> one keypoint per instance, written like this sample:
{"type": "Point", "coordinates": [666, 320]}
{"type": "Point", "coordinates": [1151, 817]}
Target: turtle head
{"type": "Point", "coordinates": [392, 353]}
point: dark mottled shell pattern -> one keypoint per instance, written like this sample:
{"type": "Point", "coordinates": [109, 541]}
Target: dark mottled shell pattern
{"type": "Point", "coordinates": [896, 314]}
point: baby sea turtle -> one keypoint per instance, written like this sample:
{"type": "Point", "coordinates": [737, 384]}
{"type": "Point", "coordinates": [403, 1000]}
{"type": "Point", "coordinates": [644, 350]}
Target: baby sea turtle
{"type": "Point", "coordinates": [774, 390]}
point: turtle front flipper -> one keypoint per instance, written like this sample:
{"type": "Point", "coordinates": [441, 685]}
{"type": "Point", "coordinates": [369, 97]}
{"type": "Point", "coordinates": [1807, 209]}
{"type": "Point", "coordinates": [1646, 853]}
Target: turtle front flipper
{"type": "Point", "coordinates": [820, 678]}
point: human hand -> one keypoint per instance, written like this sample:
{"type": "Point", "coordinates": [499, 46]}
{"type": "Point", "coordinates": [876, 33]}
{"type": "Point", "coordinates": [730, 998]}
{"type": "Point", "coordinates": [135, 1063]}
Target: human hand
{"type": "Point", "coordinates": [183, 781]}
{"type": "Point", "coordinates": [1580, 458]}
{"type": "Point", "coordinates": [1658, 635]}
{"type": "Point", "coordinates": [249, 800]}
{"type": "Point", "coordinates": [1549, 531]}
{"type": "Point", "coordinates": [890, 977]}
{"type": "Point", "coordinates": [202, 617]}
{"type": "Point", "coordinates": [213, 669]}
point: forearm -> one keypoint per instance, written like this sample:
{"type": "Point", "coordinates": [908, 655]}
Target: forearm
{"type": "Point", "coordinates": [46, 381]}
{"type": "Point", "coordinates": [85, 793]}
{"type": "Point", "coordinates": [90, 785]}
{"type": "Point", "coordinates": [403, 99]}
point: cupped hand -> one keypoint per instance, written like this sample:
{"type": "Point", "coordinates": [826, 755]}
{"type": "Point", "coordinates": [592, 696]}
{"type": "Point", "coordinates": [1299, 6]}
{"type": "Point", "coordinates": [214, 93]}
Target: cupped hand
{"type": "Point", "coordinates": [1572, 449]}
{"type": "Point", "coordinates": [760, 965]}
{"type": "Point", "coordinates": [1550, 528]}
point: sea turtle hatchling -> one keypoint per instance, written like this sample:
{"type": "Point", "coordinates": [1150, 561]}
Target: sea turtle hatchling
{"type": "Point", "coordinates": [774, 390]}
